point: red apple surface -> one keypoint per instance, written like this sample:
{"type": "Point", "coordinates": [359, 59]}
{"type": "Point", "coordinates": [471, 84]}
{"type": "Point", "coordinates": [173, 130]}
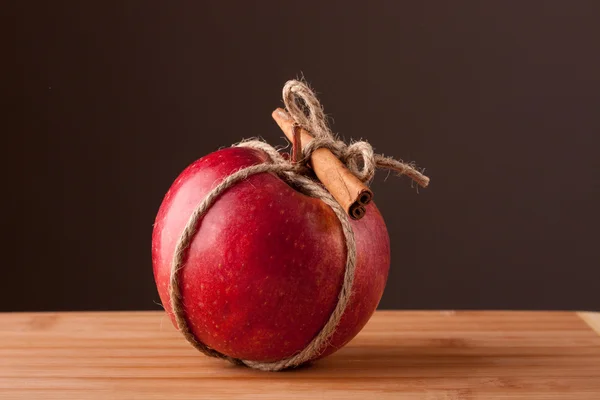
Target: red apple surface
{"type": "Point", "coordinates": [264, 270]}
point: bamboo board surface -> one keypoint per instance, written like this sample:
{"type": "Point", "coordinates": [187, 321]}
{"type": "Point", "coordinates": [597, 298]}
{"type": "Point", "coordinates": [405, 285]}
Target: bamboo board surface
{"type": "Point", "coordinates": [399, 355]}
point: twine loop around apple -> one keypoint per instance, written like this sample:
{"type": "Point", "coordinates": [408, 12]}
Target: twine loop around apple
{"type": "Point", "coordinates": [289, 172]}
{"type": "Point", "coordinates": [305, 109]}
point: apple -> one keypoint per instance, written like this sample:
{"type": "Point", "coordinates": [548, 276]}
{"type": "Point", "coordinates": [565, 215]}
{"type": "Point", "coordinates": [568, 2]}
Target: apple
{"type": "Point", "coordinates": [264, 270]}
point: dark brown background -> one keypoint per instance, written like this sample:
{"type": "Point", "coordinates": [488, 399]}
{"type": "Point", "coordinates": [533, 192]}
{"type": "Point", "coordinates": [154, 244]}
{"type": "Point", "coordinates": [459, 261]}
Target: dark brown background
{"type": "Point", "coordinates": [106, 102]}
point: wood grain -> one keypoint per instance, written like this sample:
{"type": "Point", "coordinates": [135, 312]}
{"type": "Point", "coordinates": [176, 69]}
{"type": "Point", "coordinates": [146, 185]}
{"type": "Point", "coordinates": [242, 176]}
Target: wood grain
{"type": "Point", "coordinates": [408, 355]}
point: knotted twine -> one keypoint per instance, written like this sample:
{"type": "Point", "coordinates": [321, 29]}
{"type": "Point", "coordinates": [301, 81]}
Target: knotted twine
{"type": "Point", "coordinates": [305, 109]}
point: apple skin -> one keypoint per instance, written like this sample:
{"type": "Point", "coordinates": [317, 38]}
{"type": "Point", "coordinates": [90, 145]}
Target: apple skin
{"type": "Point", "coordinates": [265, 268]}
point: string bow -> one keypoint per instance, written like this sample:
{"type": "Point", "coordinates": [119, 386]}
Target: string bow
{"type": "Point", "coordinates": [306, 111]}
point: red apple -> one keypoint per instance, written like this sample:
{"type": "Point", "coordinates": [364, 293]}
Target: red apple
{"type": "Point", "coordinates": [265, 268]}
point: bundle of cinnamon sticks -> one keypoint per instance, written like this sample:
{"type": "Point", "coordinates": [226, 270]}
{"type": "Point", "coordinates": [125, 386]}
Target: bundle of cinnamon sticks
{"type": "Point", "coordinates": [349, 191]}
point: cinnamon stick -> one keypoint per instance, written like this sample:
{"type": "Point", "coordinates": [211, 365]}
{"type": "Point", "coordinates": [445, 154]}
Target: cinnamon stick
{"type": "Point", "coordinates": [344, 186]}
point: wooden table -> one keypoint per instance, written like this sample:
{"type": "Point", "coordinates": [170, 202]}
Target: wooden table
{"type": "Point", "coordinates": [399, 355]}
